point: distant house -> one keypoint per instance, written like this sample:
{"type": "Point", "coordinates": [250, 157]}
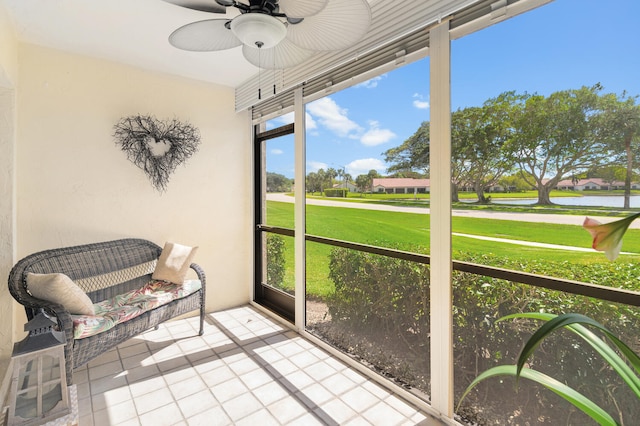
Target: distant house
{"type": "Point", "coordinates": [467, 187]}
{"type": "Point", "coordinates": [401, 185]}
{"type": "Point", "coordinates": [349, 185]}
{"type": "Point", "coordinates": [592, 184]}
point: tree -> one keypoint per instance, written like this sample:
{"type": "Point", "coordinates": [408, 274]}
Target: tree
{"type": "Point", "coordinates": [373, 174]}
{"type": "Point", "coordinates": [514, 183]}
{"type": "Point", "coordinates": [315, 181]}
{"type": "Point", "coordinates": [343, 176]}
{"type": "Point", "coordinates": [363, 183]}
{"type": "Point", "coordinates": [278, 183]}
{"type": "Point", "coordinates": [318, 181]}
{"type": "Point", "coordinates": [330, 175]}
{"type": "Point", "coordinates": [340, 174]}
{"type": "Point", "coordinates": [412, 154]}
{"type": "Point", "coordinates": [610, 173]}
{"type": "Point", "coordinates": [411, 175]}
{"type": "Point", "coordinates": [478, 137]}
{"type": "Point", "coordinates": [621, 130]}
{"type": "Point", "coordinates": [555, 136]}
{"type": "Point", "coordinates": [347, 178]}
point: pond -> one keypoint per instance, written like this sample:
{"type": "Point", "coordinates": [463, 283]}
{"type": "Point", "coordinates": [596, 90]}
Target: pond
{"type": "Point", "coordinates": [587, 201]}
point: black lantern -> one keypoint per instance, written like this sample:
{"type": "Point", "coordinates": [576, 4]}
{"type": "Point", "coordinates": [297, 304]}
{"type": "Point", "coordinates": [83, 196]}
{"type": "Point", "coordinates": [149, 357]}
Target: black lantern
{"type": "Point", "coordinates": [38, 391]}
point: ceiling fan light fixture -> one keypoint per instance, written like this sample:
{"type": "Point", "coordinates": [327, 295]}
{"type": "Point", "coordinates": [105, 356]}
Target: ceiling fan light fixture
{"type": "Point", "coordinates": [258, 30]}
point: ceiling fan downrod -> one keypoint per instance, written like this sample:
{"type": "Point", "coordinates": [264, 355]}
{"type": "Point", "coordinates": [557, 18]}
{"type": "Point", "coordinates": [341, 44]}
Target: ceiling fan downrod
{"type": "Point", "coordinates": [269, 7]}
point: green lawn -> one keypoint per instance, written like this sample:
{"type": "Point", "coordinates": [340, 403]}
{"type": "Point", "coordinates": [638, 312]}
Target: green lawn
{"type": "Point", "coordinates": [423, 200]}
{"type": "Point", "coordinates": [411, 230]}
{"type": "Point", "coordinates": [354, 196]}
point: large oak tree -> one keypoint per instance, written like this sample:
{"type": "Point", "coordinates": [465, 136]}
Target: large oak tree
{"type": "Point", "coordinates": [556, 136]}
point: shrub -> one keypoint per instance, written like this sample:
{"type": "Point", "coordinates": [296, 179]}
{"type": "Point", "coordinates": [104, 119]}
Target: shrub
{"type": "Point", "coordinates": [275, 260]}
{"type": "Point", "coordinates": [379, 291]}
{"type": "Point", "coordinates": [336, 192]}
{"type": "Point", "coordinates": [378, 294]}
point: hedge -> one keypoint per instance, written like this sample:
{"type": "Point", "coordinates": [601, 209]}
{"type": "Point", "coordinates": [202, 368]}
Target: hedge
{"type": "Point", "coordinates": [336, 192]}
{"type": "Point", "coordinates": [388, 299]}
{"type": "Point", "coordinates": [275, 260]}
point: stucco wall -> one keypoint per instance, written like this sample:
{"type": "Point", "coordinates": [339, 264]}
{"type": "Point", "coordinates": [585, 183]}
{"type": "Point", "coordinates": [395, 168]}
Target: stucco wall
{"type": "Point", "coordinates": [8, 51]}
{"type": "Point", "coordinates": [75, 186]}
{"type": "Point", "coordinates": [8, 77]}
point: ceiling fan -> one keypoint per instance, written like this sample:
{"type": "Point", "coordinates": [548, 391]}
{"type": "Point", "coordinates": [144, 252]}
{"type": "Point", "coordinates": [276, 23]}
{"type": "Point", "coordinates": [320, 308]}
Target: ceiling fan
{"type": "Point", "coordinates": [275, 34]}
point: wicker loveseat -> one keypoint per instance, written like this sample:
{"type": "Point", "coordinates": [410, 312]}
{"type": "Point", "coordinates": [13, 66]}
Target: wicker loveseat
{"type": "Point", "coordinates": [102, 270]}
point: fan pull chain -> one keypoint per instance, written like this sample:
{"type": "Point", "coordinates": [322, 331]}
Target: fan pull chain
{"type": "Point", "coordinates": [274, 74]}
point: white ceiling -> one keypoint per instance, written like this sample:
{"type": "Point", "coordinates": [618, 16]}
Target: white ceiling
{"type": "Point", "coordinates": [133, 32]}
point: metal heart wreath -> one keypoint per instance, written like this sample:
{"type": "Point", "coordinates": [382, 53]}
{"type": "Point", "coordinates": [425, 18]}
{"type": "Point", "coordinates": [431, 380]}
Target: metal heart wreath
{"type": "Point", "coordinates": [157, 147]}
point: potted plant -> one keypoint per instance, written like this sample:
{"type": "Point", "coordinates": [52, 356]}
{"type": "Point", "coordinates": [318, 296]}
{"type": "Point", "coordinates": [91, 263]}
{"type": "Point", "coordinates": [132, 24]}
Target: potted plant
{"type": "Point", "coordinates": [607, 238]}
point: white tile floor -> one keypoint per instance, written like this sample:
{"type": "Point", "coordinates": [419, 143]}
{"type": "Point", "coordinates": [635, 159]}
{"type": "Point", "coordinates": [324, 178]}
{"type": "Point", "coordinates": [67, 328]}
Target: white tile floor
{"type": "Point", "coordinates": [247, 369]}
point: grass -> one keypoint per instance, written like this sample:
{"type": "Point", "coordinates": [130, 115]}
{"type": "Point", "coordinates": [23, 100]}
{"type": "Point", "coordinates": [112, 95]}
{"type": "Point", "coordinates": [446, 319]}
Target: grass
{"type": "Point", "coordinates": [410, 230]}
{"type": "Point", "coordinates": [461, 195]}
{"type": "Point", "coordinates": [472, 195]}
{"type": "Point", "coordinates": [422, 200]}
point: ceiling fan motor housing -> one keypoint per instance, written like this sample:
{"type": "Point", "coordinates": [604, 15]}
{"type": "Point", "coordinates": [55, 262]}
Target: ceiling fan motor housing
{"type": "Point", "coordinates": [258, 30]}
{"type": "Point", "coordinates": [266, 6]}
{"type": "Point", "coordinates": [263, 6]}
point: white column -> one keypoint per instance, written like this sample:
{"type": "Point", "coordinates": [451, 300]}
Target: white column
{"type": "Point", "coordinates": [441, 266]}
{"type": "Point", "coordinates": [299, 214]}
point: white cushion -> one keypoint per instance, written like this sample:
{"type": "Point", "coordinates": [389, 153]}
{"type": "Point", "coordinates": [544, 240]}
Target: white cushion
{"type": "Point", "coordinates": [59, 288]}
{"type": "Point", "coordinates": [174, 263]}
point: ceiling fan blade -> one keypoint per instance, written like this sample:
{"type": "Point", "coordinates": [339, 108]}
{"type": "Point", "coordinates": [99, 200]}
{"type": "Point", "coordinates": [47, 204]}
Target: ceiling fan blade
{"type": "Point", "coordinates": [301, 8]}
{"type": "Point", "coordinates": [204, 36]}
{"type": "Point", "coordinates": [202, 5]}
{"type": "Point", "coordinates": [339, 25]}
{"type": "Point", "coordinates": [283, 55]}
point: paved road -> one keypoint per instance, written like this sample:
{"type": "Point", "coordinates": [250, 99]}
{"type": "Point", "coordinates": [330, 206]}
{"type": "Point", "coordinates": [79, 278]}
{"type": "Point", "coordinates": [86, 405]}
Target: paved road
{"type": "Point", "coordinates": [521, 217]}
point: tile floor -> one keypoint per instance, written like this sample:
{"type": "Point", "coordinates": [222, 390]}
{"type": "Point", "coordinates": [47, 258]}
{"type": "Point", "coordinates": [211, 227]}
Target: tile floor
{"type": "Point", "coordinates": [247, 369]}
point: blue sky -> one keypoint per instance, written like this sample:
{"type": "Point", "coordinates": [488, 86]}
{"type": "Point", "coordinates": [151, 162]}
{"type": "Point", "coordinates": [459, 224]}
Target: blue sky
{"type": "Point", "coordinates": [563, 45]}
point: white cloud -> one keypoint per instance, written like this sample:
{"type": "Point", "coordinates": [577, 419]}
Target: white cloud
{"type": "Point", "coordinates": [418, 101]}
{"type": "Point", "coordinates": [372, 83]}
{"type": "Point", "coordinates": [375, 135]}
{"type": "Point", "coordinates": [330, 115]}
{"type": "Point", "coordinates": [314, 166]}
{"type": "Point", "coordinates": [333, 117]}
{"type": "Point", "coordinates": [362, 166]}
{"type": "Point", "coordinates": [277, 151]}
{"type": "Point", "coordinates": [309, 122]}
{"type": "Point", "coordinates": [288, 118]}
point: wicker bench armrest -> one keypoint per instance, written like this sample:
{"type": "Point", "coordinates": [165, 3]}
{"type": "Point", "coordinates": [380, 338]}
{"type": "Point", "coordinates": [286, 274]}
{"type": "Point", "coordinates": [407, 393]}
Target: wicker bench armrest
{"type": "Point", "coordinates": [199, 273]}
{"type": "Point", "coordinates": [65, 322]}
